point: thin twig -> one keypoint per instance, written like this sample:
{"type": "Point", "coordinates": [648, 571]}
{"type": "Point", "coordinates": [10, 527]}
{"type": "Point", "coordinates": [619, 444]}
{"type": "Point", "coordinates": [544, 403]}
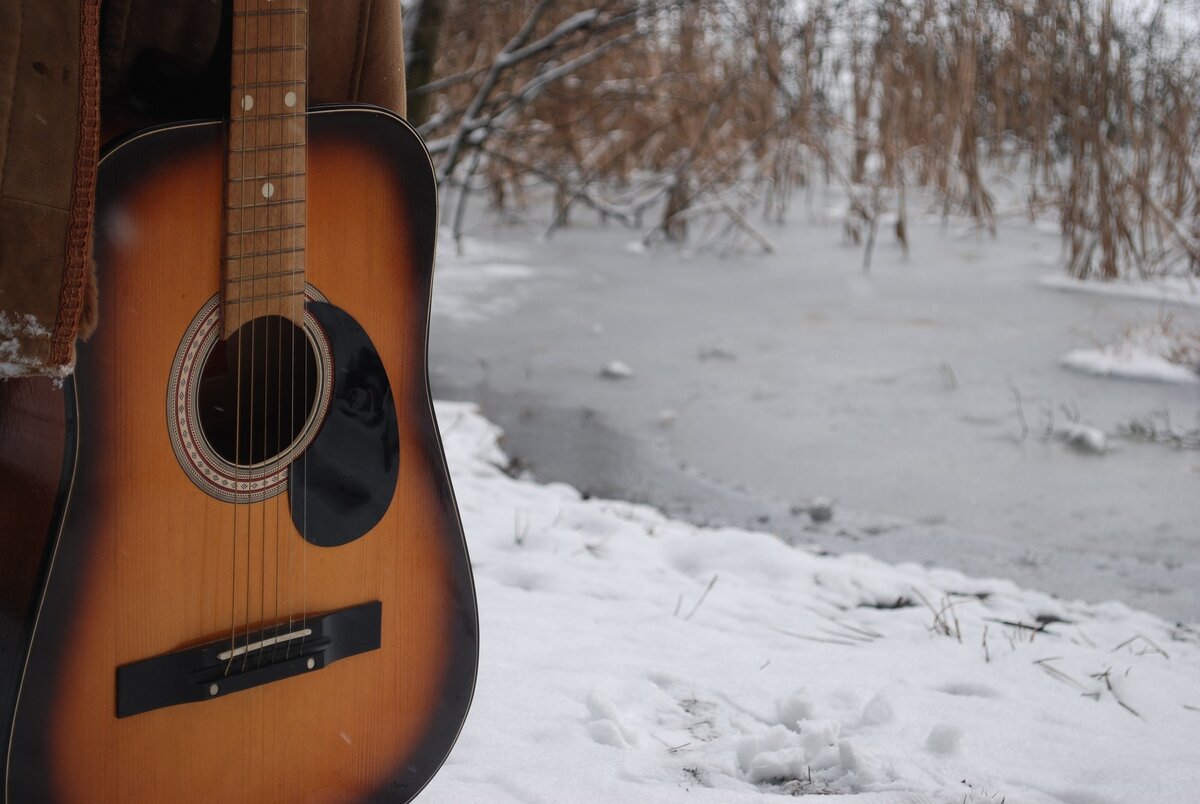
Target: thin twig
{"type": "Point", "coordinates": [703, 595]}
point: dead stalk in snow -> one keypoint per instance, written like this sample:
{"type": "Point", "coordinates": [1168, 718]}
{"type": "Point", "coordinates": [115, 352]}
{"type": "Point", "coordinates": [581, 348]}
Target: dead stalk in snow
{"type": "Point", "coordinates": [945, 619]}
{"type": "Point", "coordinates": [703, 595]}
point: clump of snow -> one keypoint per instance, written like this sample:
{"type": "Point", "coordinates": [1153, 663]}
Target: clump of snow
{"type": "Point", "coordinates": [12, 363]}
{"type": "Point", "coordinates": [1130, 364]}
{"type": "Point", "coordinates": [22, 326]}
{"type": "Point", "coordinates": [629, 657]}
{"type": "Point", "coordinates": [616, 370]}
{"type": "Point", "coordinates": [1083, 437]}
{"type": "Point", "coordinates": [1157, 352]}
{"type": "Point", "coordinates": [10, 366]}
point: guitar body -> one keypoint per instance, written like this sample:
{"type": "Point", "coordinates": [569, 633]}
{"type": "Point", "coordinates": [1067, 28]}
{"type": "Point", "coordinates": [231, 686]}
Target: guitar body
{"type": "Point", "coordinates": [142, 562]}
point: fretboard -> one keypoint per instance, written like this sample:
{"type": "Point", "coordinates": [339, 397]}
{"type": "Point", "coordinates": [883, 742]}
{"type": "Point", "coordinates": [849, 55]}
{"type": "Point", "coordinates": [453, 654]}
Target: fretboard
{"type": "Point", "coordinates": [265, 175]}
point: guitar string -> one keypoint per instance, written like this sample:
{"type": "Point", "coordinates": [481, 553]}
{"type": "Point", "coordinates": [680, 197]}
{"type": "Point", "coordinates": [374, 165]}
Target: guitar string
{"type": "Point", "coordinates": [252, 117]}
{"type": "Point", "coordinates": [226, 271]}
{"type": "Point", "coordinates": [267, 354]}
{"type": "Point", "coordinates": [278, 385]}
{"type": "Point", "coordinates": [297, 168]}
{"type": "Point", "coordinates": [286, 170]}
{"type": "Point", "coordinates": [302, 107]}
{"type": "Point", "coordinates": [299, 163]}
{"type": "Point", "coordinates": [289, 168]}
{"type": "Point", "coordinates": [268, 191]}
{"type": "Point", "coordinates": [263, 626]}
{"type": "Point", "coordinates": [235, 102]}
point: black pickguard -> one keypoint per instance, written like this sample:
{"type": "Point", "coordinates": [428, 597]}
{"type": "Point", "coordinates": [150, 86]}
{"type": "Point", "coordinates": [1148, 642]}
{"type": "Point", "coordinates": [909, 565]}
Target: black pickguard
{"type": "Point", "coordinates": [343, 484]}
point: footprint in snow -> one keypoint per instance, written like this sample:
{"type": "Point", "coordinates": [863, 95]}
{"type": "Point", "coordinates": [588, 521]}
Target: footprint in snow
{"type": "Point", "coordinates": [944, 738]}
{"type": "Point", "coordinates": [970, 689]}
{"type": "Point", "coordinates": [604, 723]}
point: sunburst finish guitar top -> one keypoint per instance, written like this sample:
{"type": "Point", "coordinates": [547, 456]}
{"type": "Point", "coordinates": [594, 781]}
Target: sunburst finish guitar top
{"type": "Point", "coordinates": [253, 584]}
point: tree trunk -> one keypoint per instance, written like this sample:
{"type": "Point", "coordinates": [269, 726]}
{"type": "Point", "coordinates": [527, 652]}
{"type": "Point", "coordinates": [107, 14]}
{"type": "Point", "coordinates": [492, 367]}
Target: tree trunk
{"type": "Point", "coordinates": [422, 32]}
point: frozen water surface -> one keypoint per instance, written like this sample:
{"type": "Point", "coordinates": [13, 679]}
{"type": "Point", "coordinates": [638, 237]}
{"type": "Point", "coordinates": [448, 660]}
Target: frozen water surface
{"type": "Point", "coordinates": [762, 382]}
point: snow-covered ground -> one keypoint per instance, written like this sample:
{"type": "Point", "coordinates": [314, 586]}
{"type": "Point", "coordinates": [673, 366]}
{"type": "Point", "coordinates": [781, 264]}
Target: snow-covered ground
{"type": "Point", "coordinates": [926, 399]}
{"type": "Point", "coordinates": [627, 657]}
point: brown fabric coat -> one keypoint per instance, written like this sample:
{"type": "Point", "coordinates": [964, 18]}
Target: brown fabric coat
{"type": "Point", "coordinates": [155, 61]}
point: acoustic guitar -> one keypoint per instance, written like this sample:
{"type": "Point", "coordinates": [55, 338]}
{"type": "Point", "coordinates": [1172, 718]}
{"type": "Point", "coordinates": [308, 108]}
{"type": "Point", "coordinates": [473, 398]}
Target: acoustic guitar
{"type": "Point", "coordinates": [233, 567]}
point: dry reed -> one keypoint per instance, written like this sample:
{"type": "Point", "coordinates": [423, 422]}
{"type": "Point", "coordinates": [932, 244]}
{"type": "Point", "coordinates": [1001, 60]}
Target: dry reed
{"type": "Point", "coordinates": [672, 102]}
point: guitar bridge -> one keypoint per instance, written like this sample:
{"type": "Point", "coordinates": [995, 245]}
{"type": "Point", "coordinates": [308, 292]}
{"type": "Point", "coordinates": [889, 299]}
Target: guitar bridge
{"type": "Point", "coordinates": [224, 667]}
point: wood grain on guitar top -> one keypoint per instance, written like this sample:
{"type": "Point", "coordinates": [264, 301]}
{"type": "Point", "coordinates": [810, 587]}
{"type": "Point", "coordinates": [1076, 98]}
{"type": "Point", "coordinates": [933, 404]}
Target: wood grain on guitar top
{"type": "Point", "coordinates": [147, 563]}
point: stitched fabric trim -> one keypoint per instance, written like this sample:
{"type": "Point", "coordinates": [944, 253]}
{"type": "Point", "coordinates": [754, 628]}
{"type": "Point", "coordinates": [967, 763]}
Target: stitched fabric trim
{"type": "Point", "coordinates": [79, 234]}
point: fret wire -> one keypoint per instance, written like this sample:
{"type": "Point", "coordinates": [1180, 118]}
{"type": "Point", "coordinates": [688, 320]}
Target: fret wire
{"type": "Point", "coordinates": [265, 205]}
{"type": "Point", "coordinates": [291, 175]}
{"type": "Point", "coordinates": [268, 11]}
{"type": "Point", "coordinates": [268, 146]}
{"type": "Point", "coordinates": [255, 228]}
{"type": "Point", "coordinates": [259, 66]}
{"type": "Point", "coordinates": [250, 117]}
{"type": "Point", "coordinates": [252, 66]}
{"type": "Point", "coordinates": [266, 119]}
{"type": "Point", "coordinates": [261, 296]}
{"type": "Point", "coordinates": [268, 83]}
{"type": "Point", "coordinates": [269, 253]}
{"type": "Point", "coordinates": [271, 147]}
{"type": "Point", "coordinates": [262, 119]}
{"type": "Point", "coordinates": [267, 49]}
{"type": "Point", "coordinates": [279, 227]}
{"type": "Point", "coordinates": [265, 78]}
{"type": "Point", "coordinates": [268, 275]}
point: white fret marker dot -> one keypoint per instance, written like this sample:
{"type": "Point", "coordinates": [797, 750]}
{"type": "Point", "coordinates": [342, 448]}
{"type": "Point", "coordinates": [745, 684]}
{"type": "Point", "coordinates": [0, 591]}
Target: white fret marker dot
{"type": "Point", "coordinates": [289, 99]}
{"type": "Point", "coordinates": [247, 102]}
{"type": "Point", "coordinates": [268, 189]}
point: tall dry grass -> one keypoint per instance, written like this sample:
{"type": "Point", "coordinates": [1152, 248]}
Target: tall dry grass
{"type": "Point", "coordinates": [1093, 109]}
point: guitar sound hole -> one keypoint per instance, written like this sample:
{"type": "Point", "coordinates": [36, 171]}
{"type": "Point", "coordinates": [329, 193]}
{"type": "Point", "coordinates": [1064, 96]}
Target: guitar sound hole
{"type": "Point", "coordinates": [257, 390]}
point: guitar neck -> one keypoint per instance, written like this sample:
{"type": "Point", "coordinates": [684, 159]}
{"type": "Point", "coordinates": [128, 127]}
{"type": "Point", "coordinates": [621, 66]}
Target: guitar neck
{"type": "Point", "coordinates": [266, 165]}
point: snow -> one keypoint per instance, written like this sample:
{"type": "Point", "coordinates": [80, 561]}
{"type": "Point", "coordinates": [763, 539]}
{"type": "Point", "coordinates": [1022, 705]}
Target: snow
{"type": "Point", "coordinates": [12, 362]}
{"type": "Point", "coordinates": [1132, 364]}
{"type": "Point", "coordinates": [626, 656]}
{"type": "Point", "coordinates": [616, 370]}
{"type": "Point", "coordinates": [1158, 351]}
{"type": "Point", "coordinates": [25, 326]}
{"type": "Point", "coordinates": [1167, 290]}
{"type": "Point", "coordinates": [9, 364]}
{"type": "Point", "coordinates": [1083, 437]}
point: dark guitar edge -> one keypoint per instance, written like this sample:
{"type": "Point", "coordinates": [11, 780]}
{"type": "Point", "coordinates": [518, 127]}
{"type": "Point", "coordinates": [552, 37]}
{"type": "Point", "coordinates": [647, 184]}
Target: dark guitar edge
{"type": "Point", "coordinates": [62, 504]}
{"type": "Point", "coordinates": [439, 454]}
{"type": "Point", "coordinates": [461, 681]}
